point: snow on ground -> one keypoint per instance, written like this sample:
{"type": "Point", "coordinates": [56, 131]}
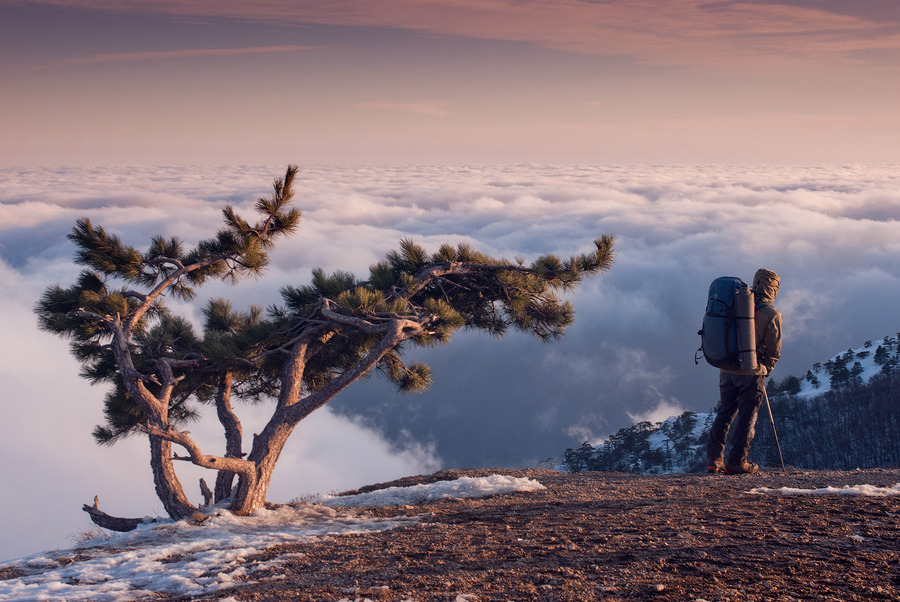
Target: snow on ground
{"type": "Point", "coordinates": [181, 558]}
{"type": "Point", "coordinates": [867, 490]}
{"type": "Point", "coordinates": [464, 487]}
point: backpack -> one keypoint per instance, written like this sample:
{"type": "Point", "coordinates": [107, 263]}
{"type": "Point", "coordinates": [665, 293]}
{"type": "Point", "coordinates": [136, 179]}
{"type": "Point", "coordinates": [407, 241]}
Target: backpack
{"type": "Point", "coordinates": [728, 334]}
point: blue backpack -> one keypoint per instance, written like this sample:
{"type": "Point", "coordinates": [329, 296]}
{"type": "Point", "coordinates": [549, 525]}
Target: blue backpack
{"type": "Point", "coordinates": [728, 335]}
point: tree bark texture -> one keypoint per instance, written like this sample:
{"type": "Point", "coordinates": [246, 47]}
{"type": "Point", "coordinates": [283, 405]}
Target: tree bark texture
{"type": "Point", "coordinates": [168, 487]}
{"type": "Point", "coordinates": [233, 437]}
{"type": "Point", "coordinates": [251, 491]}
{"type": "Point", "coordinates": [267, 445]}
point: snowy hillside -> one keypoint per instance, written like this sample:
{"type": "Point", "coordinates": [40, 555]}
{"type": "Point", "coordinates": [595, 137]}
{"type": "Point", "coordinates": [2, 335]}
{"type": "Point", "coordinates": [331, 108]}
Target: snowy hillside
{"type": "Point", "coordinates": [675, 445]}
{"type": "Point", "coordinates": [852, 367]}
{"type": "Point", "coordinates": [680, 439]}
{"type": "Point", "coordinates": [183, 558]}
{"type": "Point", "coordinates": [855, 401]}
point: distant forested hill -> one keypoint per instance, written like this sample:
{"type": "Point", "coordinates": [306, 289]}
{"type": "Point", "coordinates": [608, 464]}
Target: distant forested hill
{"type": "Point", "coordinates": [842, 414]}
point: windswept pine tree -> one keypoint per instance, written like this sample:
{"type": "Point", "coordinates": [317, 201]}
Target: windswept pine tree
{"type": "Point", "coordinates": [297, 355]}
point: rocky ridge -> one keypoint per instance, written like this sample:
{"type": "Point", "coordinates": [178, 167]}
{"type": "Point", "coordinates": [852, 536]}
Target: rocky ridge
{"type": "Point", "coordinates": [611, 536]}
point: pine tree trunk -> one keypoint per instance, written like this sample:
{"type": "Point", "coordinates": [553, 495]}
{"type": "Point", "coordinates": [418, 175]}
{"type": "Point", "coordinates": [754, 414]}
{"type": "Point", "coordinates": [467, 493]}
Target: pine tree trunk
{"type": "Point", "coordinates": [168, 487]}
{"type": "Point", "coordinates": [267, 448]}
{"type": "Point", "coordinates": [233, 437]}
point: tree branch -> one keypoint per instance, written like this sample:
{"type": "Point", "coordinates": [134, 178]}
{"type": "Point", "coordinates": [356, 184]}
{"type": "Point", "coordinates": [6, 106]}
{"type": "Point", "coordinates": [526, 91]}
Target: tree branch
{"type": "Point", "coordinates": [134, 294]}
{"type": "Point", "coordinates": [353, 321]}
{"type": "Point", "coordinates": [366, 326]}
{"type": "Point", "coordinates": [296, 412]}
{"type": "Point", "coordinates": [322, 329]}
{"type": "Point", "coordinates": [197, 457]}
{"type": "Point", "coordinates": [95, 317]}
{"type": "Point", "coordinates": [162, 260]}
{"type": "Point", "coordinates": [448, 268]}
{"type": "Point", "coordinates": [160, 288]}
{"type": "Point", "coordinates": [169, 380]}
{"type": "Point", "coordinates": [131, 378]}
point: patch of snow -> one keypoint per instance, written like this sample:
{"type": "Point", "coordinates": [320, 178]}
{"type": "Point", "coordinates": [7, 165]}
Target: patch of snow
{"type": "Point", "coordinates": [180, 558]}
{"type": "Point", "coordinates": [464, 487]}
{"type": "Point", "coordinates": [865, 490]}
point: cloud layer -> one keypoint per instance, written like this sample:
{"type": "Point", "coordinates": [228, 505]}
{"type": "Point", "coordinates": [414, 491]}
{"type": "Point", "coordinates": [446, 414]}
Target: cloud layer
{"type": "Point", "coordinates": [833, 234]}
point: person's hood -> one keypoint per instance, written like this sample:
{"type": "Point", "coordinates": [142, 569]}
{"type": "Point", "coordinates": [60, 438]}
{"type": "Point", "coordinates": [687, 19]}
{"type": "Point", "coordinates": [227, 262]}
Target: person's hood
{"type": "Point", "coordinates": [765, 285]}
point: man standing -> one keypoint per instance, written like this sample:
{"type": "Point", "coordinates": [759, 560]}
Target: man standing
{"type": "Point", "coordinates": [741, 391]}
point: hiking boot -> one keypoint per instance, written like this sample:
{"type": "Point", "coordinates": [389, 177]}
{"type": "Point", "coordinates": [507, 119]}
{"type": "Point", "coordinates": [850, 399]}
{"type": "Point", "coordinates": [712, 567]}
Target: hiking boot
{"type": "Point", "coordinates": [745, 468]}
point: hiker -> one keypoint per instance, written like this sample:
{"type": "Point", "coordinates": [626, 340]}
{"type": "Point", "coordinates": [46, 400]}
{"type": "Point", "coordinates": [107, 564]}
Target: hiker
{"type": "Point", "coordinates": [741, 391]}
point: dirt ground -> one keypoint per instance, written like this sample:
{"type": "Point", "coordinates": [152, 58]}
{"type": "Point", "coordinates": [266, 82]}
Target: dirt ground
{"type": "Point", "coordinates": [602, 536]}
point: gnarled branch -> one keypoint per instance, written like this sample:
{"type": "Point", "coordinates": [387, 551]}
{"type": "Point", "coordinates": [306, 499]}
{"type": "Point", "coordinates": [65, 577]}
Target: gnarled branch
{"type": "Point", "coordinates": [400, 322]}
{"type": "Point", "coordinates": [113, 523]}
{"type": "Point", "coordinates": [196, 456]}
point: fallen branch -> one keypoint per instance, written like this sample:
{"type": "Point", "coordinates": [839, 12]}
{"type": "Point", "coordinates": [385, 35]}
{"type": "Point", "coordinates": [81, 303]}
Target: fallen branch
{"type": "Point", "coordinates": [113, 523]}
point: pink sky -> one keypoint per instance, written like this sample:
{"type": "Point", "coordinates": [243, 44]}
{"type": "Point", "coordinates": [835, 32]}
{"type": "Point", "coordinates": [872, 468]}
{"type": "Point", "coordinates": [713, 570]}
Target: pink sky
{"type": "Point", "coordinates": [800, 81]}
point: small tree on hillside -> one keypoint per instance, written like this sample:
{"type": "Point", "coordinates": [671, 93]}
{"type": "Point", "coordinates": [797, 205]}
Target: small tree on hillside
{"type": "Point", "coordinates": [300, 355]}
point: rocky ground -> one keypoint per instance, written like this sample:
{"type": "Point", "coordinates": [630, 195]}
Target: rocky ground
{"type": "Point", "coordinates": [600, 536]}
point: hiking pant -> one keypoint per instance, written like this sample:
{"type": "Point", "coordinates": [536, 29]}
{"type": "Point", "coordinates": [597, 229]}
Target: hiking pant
{"type": "Point", "coordinates": [741, 395]}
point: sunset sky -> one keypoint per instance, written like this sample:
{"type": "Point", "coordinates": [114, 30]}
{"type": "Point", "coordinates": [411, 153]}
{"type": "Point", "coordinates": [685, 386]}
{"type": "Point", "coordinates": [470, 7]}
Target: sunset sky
{"type": "Point", "coordinates": [798, 81]}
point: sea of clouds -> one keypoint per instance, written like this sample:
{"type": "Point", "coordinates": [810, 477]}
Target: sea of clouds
{"type": "Point", "coordinates": [832, 233]}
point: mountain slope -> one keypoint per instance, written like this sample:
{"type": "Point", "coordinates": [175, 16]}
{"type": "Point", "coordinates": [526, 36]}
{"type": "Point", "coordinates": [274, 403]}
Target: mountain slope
{"type": "Point", "coordinates": [842, 414]}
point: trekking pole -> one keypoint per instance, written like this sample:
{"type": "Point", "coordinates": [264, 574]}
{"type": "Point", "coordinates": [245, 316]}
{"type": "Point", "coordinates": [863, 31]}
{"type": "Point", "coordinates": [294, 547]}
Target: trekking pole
{"type": "Point", "coordinates": [774, 432]}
